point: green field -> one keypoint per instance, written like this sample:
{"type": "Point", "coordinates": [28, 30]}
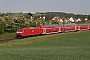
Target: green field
{"type": "Point", "coordinates": [63, 46]}
{"type": "Point", "coordinates": [7, 35]}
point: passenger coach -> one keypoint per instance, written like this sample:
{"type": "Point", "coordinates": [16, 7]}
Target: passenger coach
{"type": "Point", "coordinates": [49, 29]}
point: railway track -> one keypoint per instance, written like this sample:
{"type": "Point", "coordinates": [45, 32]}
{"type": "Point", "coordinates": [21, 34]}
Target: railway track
{"type": "Point", "coordinates": [7, 40]}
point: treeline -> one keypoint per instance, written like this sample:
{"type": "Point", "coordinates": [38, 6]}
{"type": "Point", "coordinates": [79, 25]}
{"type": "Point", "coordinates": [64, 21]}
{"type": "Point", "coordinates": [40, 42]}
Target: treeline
{"type": "Point", "coordinates": [68, 15]}
{"type": "Point", "coordinates": [9, 22]}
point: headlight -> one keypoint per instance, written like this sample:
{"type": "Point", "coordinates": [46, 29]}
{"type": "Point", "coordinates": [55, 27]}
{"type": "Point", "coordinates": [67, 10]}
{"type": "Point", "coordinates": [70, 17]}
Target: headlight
{"type": "Point", "coordinates": [19, 32]}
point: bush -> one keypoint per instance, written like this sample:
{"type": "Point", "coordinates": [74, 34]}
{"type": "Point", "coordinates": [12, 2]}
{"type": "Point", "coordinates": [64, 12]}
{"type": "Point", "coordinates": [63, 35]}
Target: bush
{"type": "Point", "coordinates": [2, 26]}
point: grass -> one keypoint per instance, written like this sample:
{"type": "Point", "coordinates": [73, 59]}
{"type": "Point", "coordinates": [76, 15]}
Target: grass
{"type": "Point", "coordinates": [7, 35]}
{"type": "Point", "coordinates": [65, 46]}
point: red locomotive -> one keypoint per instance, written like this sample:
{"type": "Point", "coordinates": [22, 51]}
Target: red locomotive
{"type": "Point", "coordinates": [49, 29]}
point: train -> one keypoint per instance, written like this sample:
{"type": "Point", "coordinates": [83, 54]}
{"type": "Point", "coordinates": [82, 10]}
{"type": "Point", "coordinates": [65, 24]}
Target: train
{"type": "Point", "coordinates": [50, 29]}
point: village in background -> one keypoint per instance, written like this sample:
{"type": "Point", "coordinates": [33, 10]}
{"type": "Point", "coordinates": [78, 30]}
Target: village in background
{"type": "Point", "coordinates": [10, 21]}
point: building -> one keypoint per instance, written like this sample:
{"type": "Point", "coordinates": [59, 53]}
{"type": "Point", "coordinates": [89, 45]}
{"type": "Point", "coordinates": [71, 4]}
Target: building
{"type": "Point", "coordinates": [71, 19]}
{"type": "Point", "coordinates": [56, 18]}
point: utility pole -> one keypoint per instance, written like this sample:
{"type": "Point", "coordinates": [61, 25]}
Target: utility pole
{"type": "Point", "coordinates": [63, 24]}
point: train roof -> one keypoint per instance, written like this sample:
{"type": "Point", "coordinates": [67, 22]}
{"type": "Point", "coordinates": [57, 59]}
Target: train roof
{"type": "Point", "coordinates": [56, 25]}
{"type": "Point", "coordinates": [82, 24]}
{"type": "Point", "coordinates": [69, 24]}
{"type": "Point", "coordinates": [52, 25]}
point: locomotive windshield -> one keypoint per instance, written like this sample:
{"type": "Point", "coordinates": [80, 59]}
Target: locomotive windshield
{"type": "Point", "coordinates": [19, 29]}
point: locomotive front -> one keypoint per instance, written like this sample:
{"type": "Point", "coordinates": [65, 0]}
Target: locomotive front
{"type": "Point", "coordinates": [19, 32]}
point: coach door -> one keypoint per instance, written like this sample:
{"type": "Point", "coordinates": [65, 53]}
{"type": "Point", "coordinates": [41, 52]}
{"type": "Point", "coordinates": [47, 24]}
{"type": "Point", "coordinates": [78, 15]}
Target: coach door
{"type": "Point", "coordinates": [44, 31]}
{"type": "Point", "coordinates": [88, 27]}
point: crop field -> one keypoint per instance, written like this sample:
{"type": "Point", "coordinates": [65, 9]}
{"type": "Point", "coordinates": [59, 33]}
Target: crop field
{"type": "Point", "coordinates": [7, 35]}
{"type": "Point", "coordinates": [63, 46]}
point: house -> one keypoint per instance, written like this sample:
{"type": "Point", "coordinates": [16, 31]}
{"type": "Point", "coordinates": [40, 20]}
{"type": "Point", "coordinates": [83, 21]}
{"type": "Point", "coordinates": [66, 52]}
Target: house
{"type": "Point", "coordinates": [71, 19]}
{"type": "Point", "coordinates": [78, 20]}
{"type": "Point", "coordinates": [86, 19]}
{"type": "Point", "coordinates": [56, 18]}
{"type": "Point", "coordinates": [61, 20]}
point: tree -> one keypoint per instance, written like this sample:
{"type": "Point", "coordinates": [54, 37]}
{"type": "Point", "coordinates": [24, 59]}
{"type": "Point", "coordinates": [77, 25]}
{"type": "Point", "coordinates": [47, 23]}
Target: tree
{"type": "Point", "coordinates": [48, 17]}
{"type": "Point", "coordinates": [28, 17]}
{"type": "Point", "coordinates": [2, 26]}
{"type": "Point", "coordinates": [88, 17]}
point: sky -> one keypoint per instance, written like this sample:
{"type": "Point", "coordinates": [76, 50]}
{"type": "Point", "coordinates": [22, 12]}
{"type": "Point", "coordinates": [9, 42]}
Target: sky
{"type": "Point", "coordinates": [68, 6]}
